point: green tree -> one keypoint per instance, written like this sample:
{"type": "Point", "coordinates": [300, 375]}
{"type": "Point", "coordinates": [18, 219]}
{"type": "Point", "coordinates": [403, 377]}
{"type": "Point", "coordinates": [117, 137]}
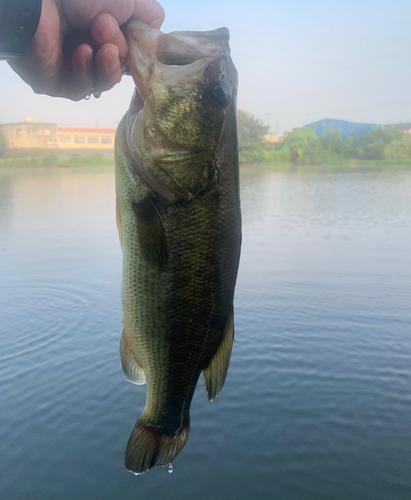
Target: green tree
{"type": "Point", "coordinates": [332, 142]}
{"type": "Point", "coordinates": [304, 146]}
{"type": "Point", "coordinates": [350, 148]}
{"type": "Point", "coordinates": [250, 129]}
{"type": "Point", "coordinates": [2, 143]}
{"type": "Point", "coordinates": [373, 144]}
{"type": "Point", "coordinates": [399, 150]}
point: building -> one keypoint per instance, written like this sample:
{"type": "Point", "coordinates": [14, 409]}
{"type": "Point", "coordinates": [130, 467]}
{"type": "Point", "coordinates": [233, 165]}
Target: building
{"type": "Point", "coordinates": [347, 129]}
{"type": "Point", "coordinates": [90, 138]}
{"type": "Point", "coordinates": [405, 127]}
{"type": "Point", "coordinates": [271, 138]}
{"type": "Point", "coordinates": [38, 135]}
{"type": "Point", "coordinates": [29, 134]}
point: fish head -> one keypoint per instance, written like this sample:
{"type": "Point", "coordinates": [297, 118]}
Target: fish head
{"type": "Point", "coordinates": [186, 86]}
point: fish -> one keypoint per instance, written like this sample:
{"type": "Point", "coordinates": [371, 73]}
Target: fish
{"type": "Point", "coordinates": [179, 223]}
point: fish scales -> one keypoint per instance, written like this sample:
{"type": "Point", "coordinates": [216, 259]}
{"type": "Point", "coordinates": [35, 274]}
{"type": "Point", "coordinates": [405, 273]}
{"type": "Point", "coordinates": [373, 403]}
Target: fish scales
{"type": "Point", "coordinates": [180, 256]}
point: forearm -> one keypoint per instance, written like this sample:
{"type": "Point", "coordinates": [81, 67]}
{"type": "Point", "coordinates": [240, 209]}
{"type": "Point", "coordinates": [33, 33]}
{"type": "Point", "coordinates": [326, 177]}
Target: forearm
{"type": "Point", "coordinates": [18, 24]}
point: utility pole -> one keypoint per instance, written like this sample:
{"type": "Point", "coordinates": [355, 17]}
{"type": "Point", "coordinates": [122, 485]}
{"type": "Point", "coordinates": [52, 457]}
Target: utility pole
{"type": "Point", "coordinates": [268, 120]}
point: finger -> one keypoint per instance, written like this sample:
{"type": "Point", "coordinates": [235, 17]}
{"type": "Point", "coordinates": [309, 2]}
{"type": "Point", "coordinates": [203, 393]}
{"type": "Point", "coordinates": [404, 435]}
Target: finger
{"type": "Point", "coordinates": [83, 72]}
{"type": "Point", "coordinates": [149, 12]}
{"type": "Point", "coordinates": [80, 13]}
{"type": "Point", "coordinates": [108, 68]}
{"type": "Point", "coordinates": [104, 29]}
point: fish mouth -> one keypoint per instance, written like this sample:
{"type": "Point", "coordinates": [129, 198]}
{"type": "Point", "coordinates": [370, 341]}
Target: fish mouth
{"type": "Point", "coordinates": [187, 47]}
{"type": "Point", "coordinates": [165, 57]}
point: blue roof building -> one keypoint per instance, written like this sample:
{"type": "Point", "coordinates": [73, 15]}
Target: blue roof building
{"type": "Point", "coordinates": [347, 129]}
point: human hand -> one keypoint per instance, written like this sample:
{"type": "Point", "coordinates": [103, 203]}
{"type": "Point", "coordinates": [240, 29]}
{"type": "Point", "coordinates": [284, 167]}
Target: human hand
{"type": "Point", "coordinates": [78, 48]}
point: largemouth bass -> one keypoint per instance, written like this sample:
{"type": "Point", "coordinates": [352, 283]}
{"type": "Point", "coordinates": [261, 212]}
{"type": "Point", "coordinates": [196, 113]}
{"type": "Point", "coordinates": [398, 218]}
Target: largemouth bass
{"type": "Point", "coordinates": [178, 216]}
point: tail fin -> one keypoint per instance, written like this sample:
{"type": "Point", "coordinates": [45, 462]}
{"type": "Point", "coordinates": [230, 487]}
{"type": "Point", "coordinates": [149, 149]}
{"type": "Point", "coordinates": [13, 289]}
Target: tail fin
{"type": "Point", "coordinates": [150, 446]}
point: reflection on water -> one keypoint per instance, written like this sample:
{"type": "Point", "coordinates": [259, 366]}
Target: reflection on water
{"type": "Point", "coordinates": [6, 202]}
{"type": "Point", "coordinates": [318, 396]}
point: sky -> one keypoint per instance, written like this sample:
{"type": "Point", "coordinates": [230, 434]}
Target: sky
{"type": "Point", "coordinates": [298, 61]}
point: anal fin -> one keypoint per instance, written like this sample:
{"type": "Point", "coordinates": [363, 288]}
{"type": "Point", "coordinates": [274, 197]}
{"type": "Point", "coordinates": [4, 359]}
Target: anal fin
{"type": "Point", "coordinates": [215, 373]}
{"type": "Point", "coordinates": [131, 367]}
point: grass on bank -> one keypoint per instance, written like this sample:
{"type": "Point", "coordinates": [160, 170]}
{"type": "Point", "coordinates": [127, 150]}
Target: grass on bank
{"type": "Point", "coordinates": [361, 165]}
{"type": "Point", "coordinates": [103, 161]}
{"type": "Point", "coordinates": [93, 160]}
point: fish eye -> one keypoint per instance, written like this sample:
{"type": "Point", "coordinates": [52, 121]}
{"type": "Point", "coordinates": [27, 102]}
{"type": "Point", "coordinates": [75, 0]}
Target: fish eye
{"type": "Point", "coordinates": [219, 93]}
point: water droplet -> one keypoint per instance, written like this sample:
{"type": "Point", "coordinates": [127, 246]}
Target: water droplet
{"type": "Point", "coordinates": [170, 469]}
{"type": "Point", "coordinates": [87, 97]}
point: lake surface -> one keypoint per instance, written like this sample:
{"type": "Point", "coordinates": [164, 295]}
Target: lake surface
{"type": "Point", "coordinates": [317, 403]}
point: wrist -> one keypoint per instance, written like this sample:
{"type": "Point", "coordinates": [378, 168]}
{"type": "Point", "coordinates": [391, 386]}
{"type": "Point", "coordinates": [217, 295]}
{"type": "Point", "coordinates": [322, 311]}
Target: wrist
{"type": "Point", "coordinates": [18, 24]}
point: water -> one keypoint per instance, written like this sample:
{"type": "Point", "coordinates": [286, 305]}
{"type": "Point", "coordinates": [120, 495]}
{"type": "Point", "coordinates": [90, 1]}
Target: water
{"type": "Point", "coordinates": [318, 398]}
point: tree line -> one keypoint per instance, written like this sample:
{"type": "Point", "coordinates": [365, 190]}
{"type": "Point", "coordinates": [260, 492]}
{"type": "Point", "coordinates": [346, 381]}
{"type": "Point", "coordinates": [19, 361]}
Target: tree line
{"type": "Point", "coordinates": [2, 144]}
{"type": "Point", "coordinates": [303, 146]}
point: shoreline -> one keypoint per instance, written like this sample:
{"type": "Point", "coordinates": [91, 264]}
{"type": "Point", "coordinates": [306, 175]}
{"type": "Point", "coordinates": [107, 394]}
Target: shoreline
{"type": "Point", "coordinates": [348, 165]}
{"type": "Point", "coordinates": [61, 161]}
{"type": "Point", "coordinates": [78, 159]}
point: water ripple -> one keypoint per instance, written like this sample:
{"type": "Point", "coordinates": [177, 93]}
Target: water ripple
{"type": "Point", "coordinates": [50, 313]}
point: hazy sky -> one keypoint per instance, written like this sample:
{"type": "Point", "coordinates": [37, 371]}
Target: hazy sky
{"type": "Point", "coordinates": [298, 61]}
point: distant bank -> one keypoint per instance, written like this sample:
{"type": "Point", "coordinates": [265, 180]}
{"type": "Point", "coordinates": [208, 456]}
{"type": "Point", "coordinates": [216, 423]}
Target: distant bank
{"type": "Point", "coordinates": [49, 138]}
{"type": "Point", "coordinates": [89, 160]}
{"type": "Point", "coordinates": [98, 160]}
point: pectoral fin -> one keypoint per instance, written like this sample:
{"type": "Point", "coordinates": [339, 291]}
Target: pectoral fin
{"type": "Point", "coordinates": [151, 236]}
{"type": "Point", "coordinates": [215, 374]}
{"type": "Point", "coordinates": [131, 366]}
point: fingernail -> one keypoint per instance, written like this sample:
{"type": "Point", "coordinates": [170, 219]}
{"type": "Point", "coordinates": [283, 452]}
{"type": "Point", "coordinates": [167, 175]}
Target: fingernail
{"type": "Point", "coordinates": [107, 28]}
